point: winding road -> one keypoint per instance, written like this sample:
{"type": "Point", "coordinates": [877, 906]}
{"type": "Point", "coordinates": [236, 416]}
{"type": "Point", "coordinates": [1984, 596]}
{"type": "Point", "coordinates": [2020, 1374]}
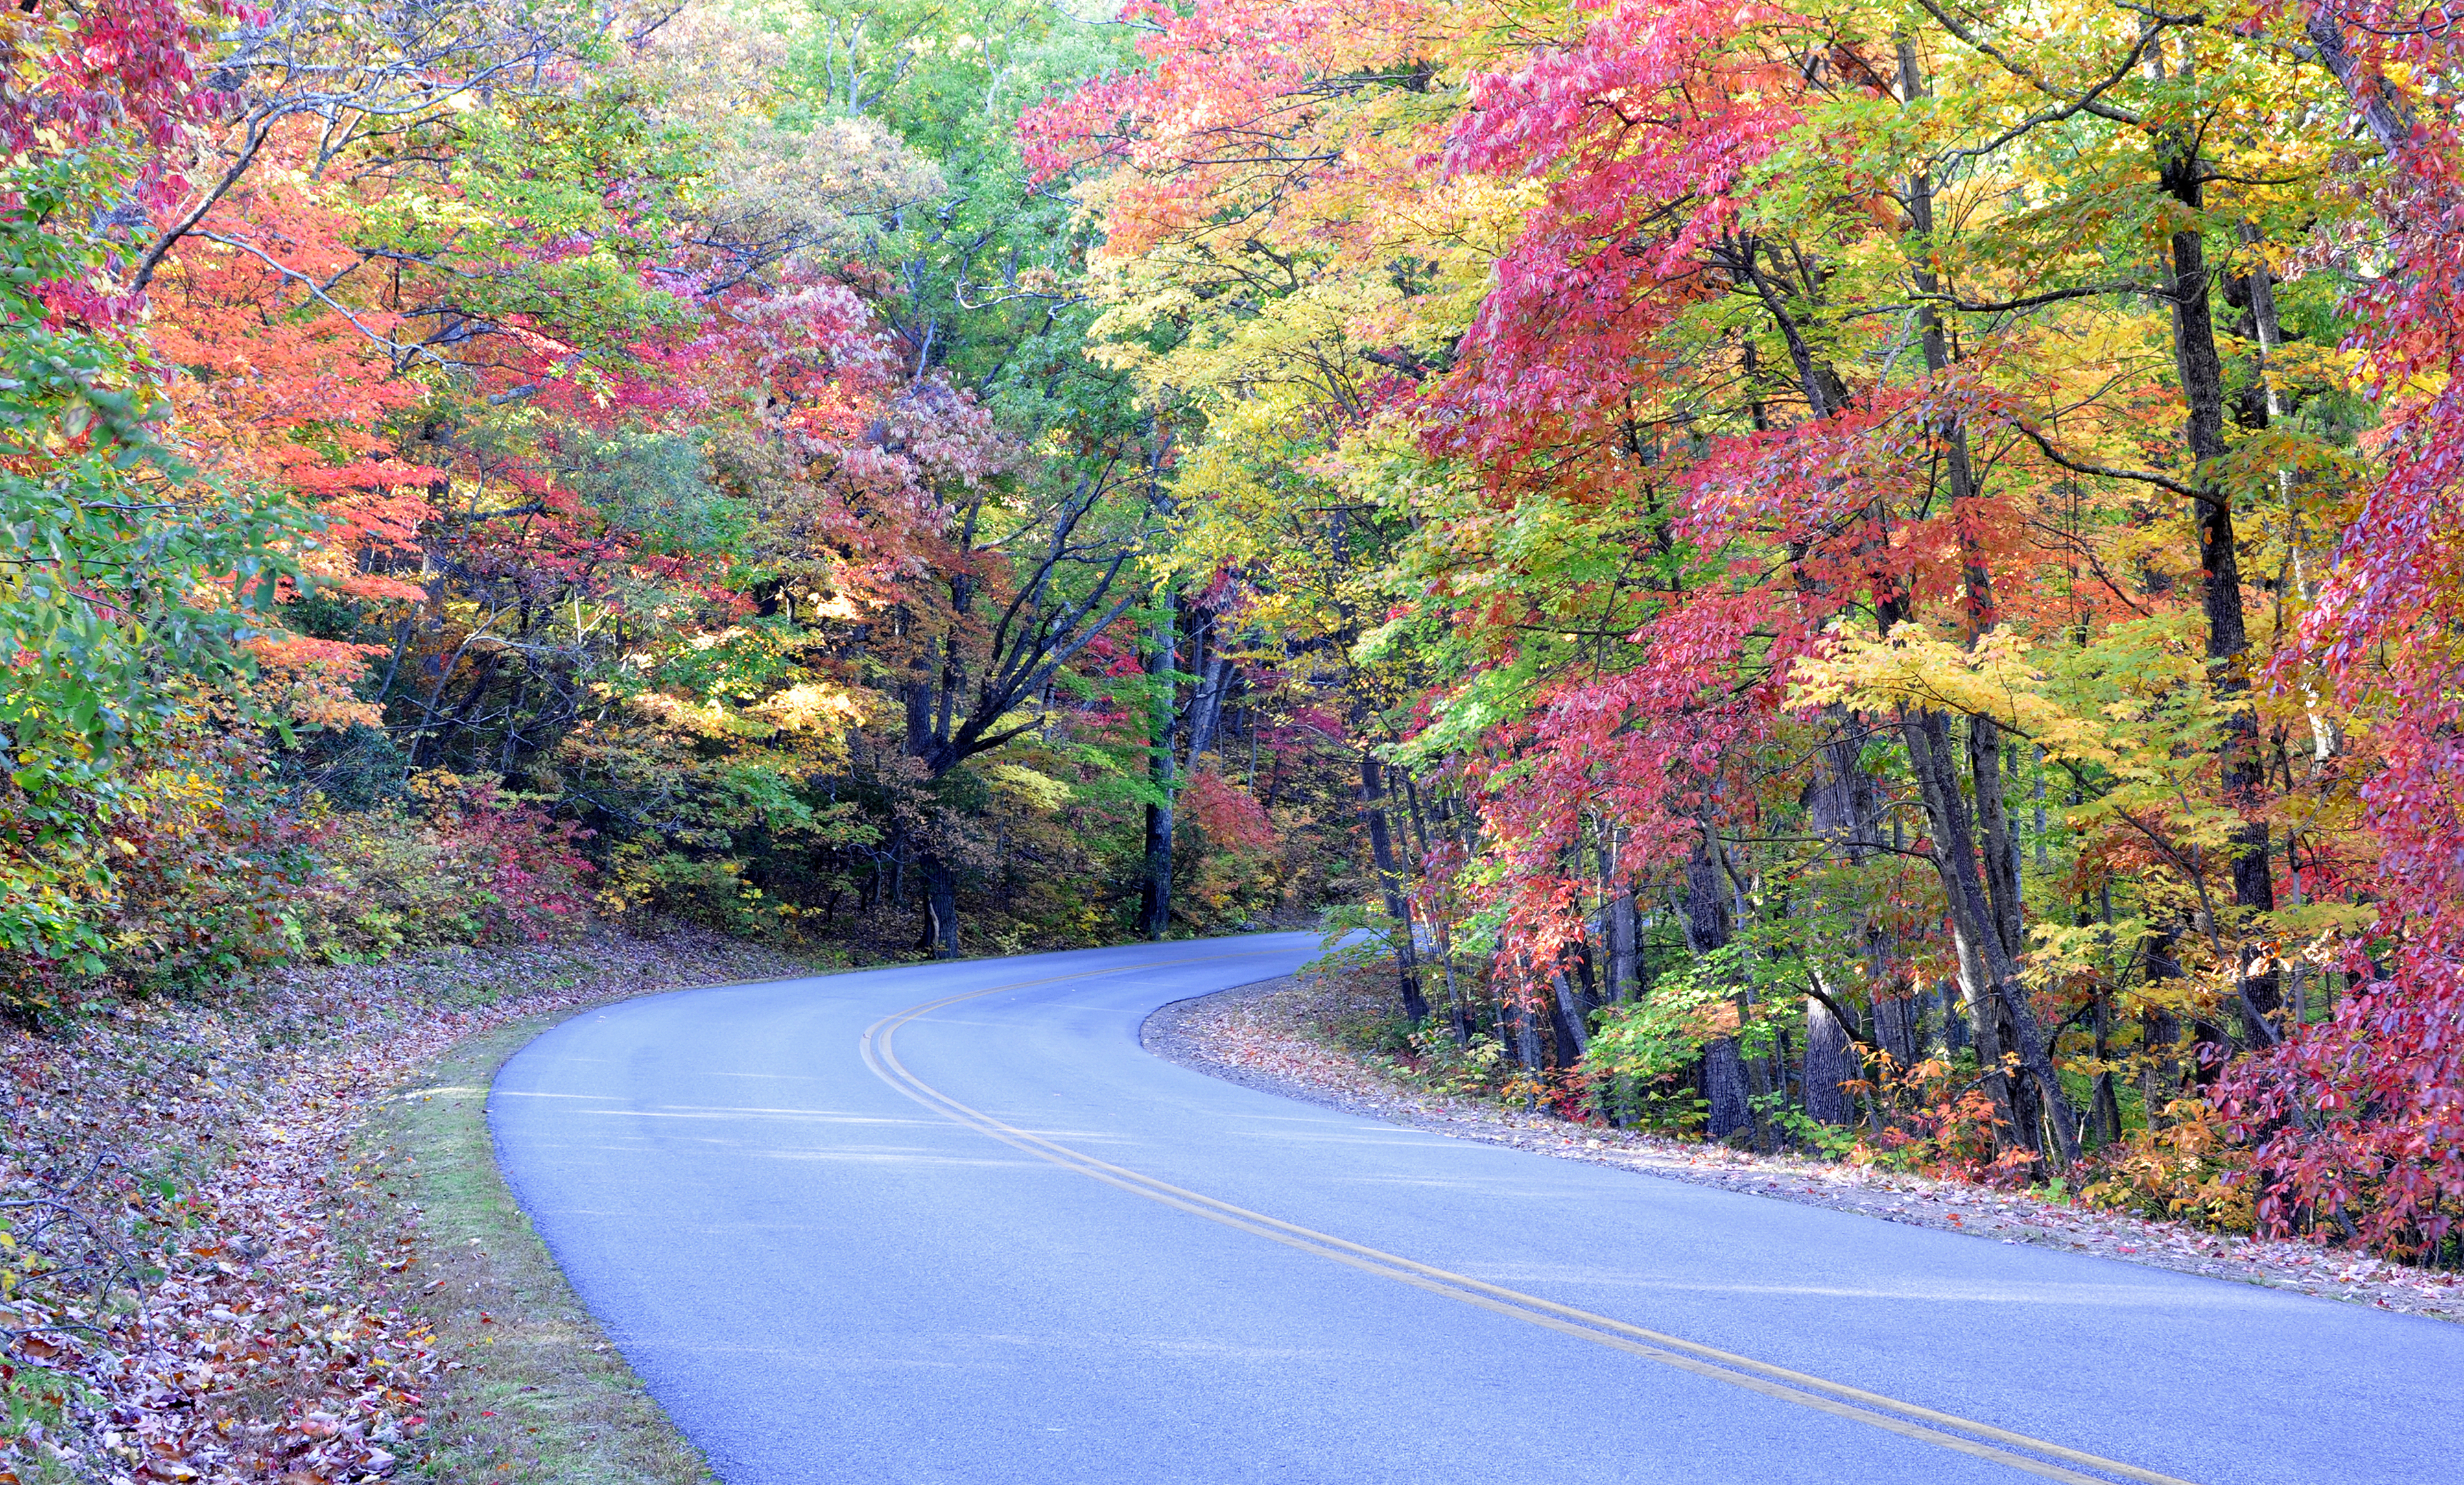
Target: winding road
{"type": "Point", "coordinates": [951, 1223]}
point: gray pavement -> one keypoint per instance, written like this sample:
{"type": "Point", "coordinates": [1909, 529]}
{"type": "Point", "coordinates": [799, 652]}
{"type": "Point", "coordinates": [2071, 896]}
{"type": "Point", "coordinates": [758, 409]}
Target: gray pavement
{"type": "Point", "coordinates": [824, 1279]}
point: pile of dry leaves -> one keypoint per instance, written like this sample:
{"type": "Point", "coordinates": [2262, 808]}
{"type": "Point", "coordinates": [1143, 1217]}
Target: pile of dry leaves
{"type": "Point", "coordinates": [193, 1274]}
{"type": "Point", "coordinates": [1272, 1035]}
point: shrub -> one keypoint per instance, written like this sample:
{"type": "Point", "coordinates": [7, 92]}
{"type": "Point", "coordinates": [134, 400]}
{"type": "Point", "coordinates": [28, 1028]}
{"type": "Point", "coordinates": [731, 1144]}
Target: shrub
{"type": "Point", "coordinates": [711, 891]}
{"type": "Point", "coordinates": [203, 867]}
{"type": "Point", "coordinates": [2184, 1166]}
{"type": "Point", "coordinates": [456, 862]}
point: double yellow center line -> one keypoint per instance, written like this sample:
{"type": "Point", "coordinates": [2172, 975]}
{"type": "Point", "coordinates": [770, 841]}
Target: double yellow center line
{"type": "Point", "coordinates": [2036, 1456]}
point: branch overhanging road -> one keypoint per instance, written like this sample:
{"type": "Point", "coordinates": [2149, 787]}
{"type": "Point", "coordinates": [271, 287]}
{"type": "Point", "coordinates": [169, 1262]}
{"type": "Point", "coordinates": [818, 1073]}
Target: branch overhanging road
{"type": "Point", "coordinates": [951, 1223]}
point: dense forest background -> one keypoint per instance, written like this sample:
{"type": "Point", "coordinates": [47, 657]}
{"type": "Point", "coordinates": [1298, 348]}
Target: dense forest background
{"type": "Point", "coordinates": [1879, 579]}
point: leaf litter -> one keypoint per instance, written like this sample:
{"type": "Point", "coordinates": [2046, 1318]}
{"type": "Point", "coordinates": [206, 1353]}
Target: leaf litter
{"type": "Point", "coordinates": [200, 1279]}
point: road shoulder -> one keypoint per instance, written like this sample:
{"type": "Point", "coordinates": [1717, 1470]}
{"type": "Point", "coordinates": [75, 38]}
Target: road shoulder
{"type": "Point", "coordinates": [531, 1388]}
{"type": "Point", "coordinates": [257, 1260]}
{"type": "Point", "coordinates": [1276, 1037]}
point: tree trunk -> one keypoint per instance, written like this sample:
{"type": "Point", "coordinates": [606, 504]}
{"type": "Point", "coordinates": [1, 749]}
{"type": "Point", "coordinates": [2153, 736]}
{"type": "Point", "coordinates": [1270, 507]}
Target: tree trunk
{"type": "Point", "coordinates": [2267, 329]}
{"type": "Point", "coordinates": [2387, 113]}
{"type": "Point", "coordinates": [1956, 1034]}
{"type": "Point", "coordinates": [1706, 896]}
{"type": "Point", "coordinates": [2200, 366]}
{"type": "Point", "coordinates": [1618, 926]}
{"type": "Point", "coordinates": [1625, 956]}
{"type": "Point", "coordinates": [1574, 1040]}
{"type": "Point", "coordinates": [1724, 1090]}
{"type": "Point", "coordinates": [1458, 1012]}
{"type": "Point", "coordinates": [1214, 673]}
{"type": "Point", "coordinates": [2104, 1101]}
{"type": "Point", "coordinates": [1155, 898]}
{"type": "Point", "coordinates": [1706, 929]}
{"type": "Point", "coordinates": [1381, 851]}
{"type": "Point", "coordinates": [1895, 1027]}
{"type": "Point", "coordinates": [1989, 975]}
{"type": "Point", "coordinates": [1831, 1063]}
{"type": "Point", "coordinates": [2001, 846]}
{"type": "Point", "coordinates": [940, 908]}
{"type": "Point", "coordinates": [1976, 577]}
{"type": "Point", "coordinates": [2160, 1077]}
{"type": "Point", "coordinates": [1155, 895]}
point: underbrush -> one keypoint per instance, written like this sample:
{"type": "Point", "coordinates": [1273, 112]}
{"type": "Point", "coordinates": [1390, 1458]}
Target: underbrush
{"type": "Point", "coordinates": [1929, 1120]}
{"type": "Point", "coordinates": [206, 868]}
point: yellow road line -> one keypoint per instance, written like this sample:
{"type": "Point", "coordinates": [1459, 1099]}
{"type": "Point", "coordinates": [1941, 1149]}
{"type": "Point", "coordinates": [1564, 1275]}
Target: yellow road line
{"type": "Point", "coordinates": [2020, 1451]}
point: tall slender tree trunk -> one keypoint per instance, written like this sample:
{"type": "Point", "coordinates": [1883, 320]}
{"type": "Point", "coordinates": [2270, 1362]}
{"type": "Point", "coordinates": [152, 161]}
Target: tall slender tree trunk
{"type": "Point", "coordinates": [2104, 1099]}
{"type": "Point", "coordinates": [1987, 927]}
{"type": "Point", "coordinates": [1155, 898]}
{"type": "Point", "coordinates": [1976, 575]}
{"type": "Point", "coordinates": [1389, 884]}
{"type": "Point", "coordinates": [2200, 368]}
{"type": "Point", "coordinates": [1706, 929]}
{"type": "Point", "coordinates": [2160, 1038]}
{"type": "Point", "coordinates": [1618, 926]}
{"type": "Point", "coordinates": [1574, 1038]}
{"type": "Point", "coordinates": [1212, 669]}
{"type": "Point", "coordinates": [2000, 840]}
{"type": "Point", "coordinates": [1458, 1012]}
{"type": "Point", "coordinates": [1988, 976]}
{"type": "Point", "coordinates": [1845, 806]}
{"type": "Point", "coordinates": [941, 907]}
{"type": "Point", "coordinates": [2268, 330]}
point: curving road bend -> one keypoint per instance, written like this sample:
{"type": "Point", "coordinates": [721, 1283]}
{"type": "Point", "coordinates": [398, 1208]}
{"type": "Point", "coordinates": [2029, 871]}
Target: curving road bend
{"type": "Point", "coordinates": [951, 1223]}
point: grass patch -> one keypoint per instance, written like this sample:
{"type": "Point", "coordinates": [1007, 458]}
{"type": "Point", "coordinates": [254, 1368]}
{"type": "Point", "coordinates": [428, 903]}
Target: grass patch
{"type": "Point", "coordinates": [533, 1391]}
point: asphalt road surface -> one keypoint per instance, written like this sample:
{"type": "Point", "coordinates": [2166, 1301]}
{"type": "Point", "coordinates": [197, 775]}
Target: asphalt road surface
{"type": "Point", "coordinates": [953, 1224]}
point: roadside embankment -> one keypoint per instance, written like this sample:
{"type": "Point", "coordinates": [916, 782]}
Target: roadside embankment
{"type": "Point", "coordinates": [1284, 1036]}
{"type": "Point", "coordinates": [264, 1240]}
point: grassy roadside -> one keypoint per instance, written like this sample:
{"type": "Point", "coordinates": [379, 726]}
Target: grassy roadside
{"type": "Point", "coordinates": [532, 1391]}
{"type": "Point", "coordinates": [235, 1252]}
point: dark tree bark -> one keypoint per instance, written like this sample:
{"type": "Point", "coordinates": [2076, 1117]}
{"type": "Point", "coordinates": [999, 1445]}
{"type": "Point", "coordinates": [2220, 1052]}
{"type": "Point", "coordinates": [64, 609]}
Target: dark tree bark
{"type": "Point", "coordinates": [2387, 113]}
{"type": "Point", "coordinates": [1706, 929]}
{"type": "Point", "coordinates": [1389, 884]}
{"type": "Point", "coordinates": [2000, 844]}
{"type": "Point", "coordinates": [1830, 1065]}
{"type": "Point", "coordinates": [1895, 1027]}
{"type": "Point", "coordinates": [941, 907]}
{"type": "Point", "coordinates": [2200, 366]}
{"type": "Point", "coordinates": [1844, 808]}
{"type": "Point", "coordinates": [1706, 896]}
{"type": "Point", "coordinates": [1570, 1023]}
{"type": "Point", "coordinates": [1997, 1003]}
{"type": "Point", "coordinates": [1155, 898]}
{"type": "Point", "coordinates": [2105, 1101]}
{"type": "Point", "coordinates": [1724, 1090]}
{"type": "Point", "coordinates": [1625, 951]}
{"type": "Point", "coordinates": [1619, 930]}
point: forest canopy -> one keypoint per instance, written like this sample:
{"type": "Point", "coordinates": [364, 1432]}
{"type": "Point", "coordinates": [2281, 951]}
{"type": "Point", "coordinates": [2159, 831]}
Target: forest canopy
{"type": "Point", "coordinates": [1877, 578]}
